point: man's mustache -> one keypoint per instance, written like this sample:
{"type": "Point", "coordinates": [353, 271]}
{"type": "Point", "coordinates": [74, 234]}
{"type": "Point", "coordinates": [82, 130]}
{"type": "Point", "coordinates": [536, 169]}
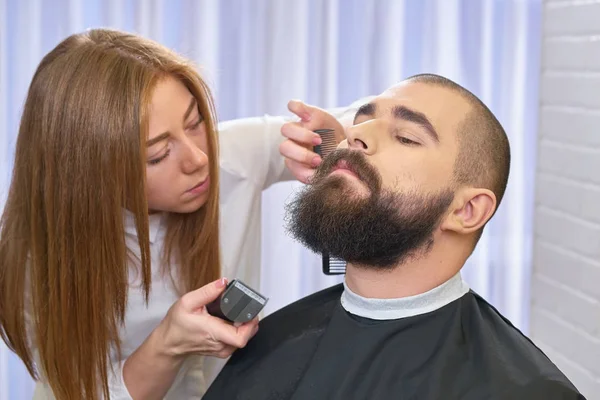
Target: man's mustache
{"type": "Point", "coordinates": [355, 161]}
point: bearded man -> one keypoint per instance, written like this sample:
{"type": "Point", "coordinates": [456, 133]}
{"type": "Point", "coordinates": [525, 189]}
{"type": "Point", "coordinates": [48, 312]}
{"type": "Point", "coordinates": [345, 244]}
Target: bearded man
{"type": "Point", "coordinates": [403, 201]}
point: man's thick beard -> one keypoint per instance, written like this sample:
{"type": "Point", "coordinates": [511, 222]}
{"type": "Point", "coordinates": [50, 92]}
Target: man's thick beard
{"type": "Point", "coordinates": [380, 230]}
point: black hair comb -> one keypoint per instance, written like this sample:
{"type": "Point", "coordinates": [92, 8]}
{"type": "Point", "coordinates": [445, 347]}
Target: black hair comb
{"type": "Point", "coordinates": [328, 143]}
{"type": "Point", "coordinates": [331, 265]}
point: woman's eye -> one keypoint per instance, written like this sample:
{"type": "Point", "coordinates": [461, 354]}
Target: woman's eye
{"type": "Point", "coordinates": [196, 124]}
{"type": "Point", "coordinates": [155, 161]}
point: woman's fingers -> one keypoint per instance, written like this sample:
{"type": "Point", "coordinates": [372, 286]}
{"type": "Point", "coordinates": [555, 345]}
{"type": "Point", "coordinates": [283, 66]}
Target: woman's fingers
{"type": "Point", "coordinates": [298, 133]}
{"type": "Point", "coordinates": [295, 152]}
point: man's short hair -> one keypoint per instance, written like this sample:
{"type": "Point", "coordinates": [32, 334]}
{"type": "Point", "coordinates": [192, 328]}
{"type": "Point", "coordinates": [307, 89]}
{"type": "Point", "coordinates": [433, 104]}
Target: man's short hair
{"type": "Point", "coordinates": [484, 152]}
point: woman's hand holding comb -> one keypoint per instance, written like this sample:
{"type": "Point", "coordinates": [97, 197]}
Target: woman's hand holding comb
{"type": "Point", "coordinates": [297, 149]}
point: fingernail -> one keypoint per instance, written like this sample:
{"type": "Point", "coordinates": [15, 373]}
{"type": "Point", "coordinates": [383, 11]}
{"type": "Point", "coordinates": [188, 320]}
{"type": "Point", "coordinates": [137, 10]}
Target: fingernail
{"type": "Point", "coordinates": [316, 161]}
{"type": "Point", "coordinates": [221, 283]}
{"type": "Point", "coordinates": [317, 140]}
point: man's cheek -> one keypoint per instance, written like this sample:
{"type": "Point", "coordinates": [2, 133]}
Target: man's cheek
{"type": "Point", "coordinates": [343, 144]}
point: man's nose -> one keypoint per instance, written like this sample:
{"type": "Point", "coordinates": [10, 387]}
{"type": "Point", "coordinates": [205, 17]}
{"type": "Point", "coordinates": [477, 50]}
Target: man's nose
{"type": "Point", "coordinates": [363, 137]}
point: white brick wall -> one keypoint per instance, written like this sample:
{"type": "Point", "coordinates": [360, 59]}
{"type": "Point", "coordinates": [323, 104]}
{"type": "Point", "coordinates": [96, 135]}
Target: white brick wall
{"type": "Point", "coordinates": [565, 315]}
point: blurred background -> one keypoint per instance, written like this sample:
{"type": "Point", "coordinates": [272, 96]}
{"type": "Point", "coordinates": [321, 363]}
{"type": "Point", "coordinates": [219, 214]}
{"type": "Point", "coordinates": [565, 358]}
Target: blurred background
{"type": "Point", "coordinates": [535, 63]}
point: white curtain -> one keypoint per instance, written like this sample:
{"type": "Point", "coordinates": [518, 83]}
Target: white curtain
{"type": "Point", "coordinates": [260, 53]}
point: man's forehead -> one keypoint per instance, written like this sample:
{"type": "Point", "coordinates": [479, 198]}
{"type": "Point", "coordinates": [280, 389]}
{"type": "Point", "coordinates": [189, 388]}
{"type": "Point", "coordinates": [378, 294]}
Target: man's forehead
{"type": "Point", "coordinates": [442, 106]}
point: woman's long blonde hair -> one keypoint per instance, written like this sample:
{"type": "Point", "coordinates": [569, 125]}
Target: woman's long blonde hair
{"type": "Point", "coordinates": [80, 161]}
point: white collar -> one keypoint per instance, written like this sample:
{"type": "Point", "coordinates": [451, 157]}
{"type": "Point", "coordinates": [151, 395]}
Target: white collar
{"type": "Point", "coordinates": [386, 309]}
{"type": "Point", "coordinates": [154, 224]}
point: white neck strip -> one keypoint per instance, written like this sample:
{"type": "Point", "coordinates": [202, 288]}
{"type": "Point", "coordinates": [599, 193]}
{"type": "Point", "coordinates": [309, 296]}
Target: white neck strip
{"type": "Point", "coordinates": [385, 309]}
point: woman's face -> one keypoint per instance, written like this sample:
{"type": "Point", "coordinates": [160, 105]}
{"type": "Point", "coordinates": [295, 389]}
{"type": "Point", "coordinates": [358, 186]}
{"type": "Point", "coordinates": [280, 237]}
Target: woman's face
{"type": "Point", "coordinates": [177, 169]}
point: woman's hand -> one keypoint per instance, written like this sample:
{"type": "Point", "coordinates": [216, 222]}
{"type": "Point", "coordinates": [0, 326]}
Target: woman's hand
{"type": "Point", "coordinates": [189, 328]}
{"type": "Point", "coordinates": [150, 370]}
{"type": "Point", "coordinates": [297, 149]}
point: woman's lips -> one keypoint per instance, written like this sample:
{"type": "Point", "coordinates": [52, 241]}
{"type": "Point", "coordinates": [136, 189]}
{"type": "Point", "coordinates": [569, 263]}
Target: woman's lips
{"type": "Point", "coordinates": [200, 187]}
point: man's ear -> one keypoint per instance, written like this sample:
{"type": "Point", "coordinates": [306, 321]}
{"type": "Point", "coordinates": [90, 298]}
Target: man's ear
{"type": "Point", "coordinates": [470, 210]}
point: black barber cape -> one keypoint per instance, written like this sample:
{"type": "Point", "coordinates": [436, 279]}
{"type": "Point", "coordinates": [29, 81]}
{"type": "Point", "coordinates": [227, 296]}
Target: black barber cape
{"type": "Point", "coordinates": [314, 349]}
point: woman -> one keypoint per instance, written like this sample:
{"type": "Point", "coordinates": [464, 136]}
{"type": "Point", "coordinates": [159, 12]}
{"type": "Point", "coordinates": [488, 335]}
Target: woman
{"type": "Point", "coordinates": [112, 220]}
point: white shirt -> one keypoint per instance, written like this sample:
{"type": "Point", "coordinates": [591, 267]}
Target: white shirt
{"type": "Point", "coordinates": [250, 162]}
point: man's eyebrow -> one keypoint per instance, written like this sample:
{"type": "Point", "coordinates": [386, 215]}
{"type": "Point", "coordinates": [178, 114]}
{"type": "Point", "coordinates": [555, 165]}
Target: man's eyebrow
{"type": "Point", "coordinates": [406, 114]}
{"type": "Point", "coordinates": [366, 110]}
